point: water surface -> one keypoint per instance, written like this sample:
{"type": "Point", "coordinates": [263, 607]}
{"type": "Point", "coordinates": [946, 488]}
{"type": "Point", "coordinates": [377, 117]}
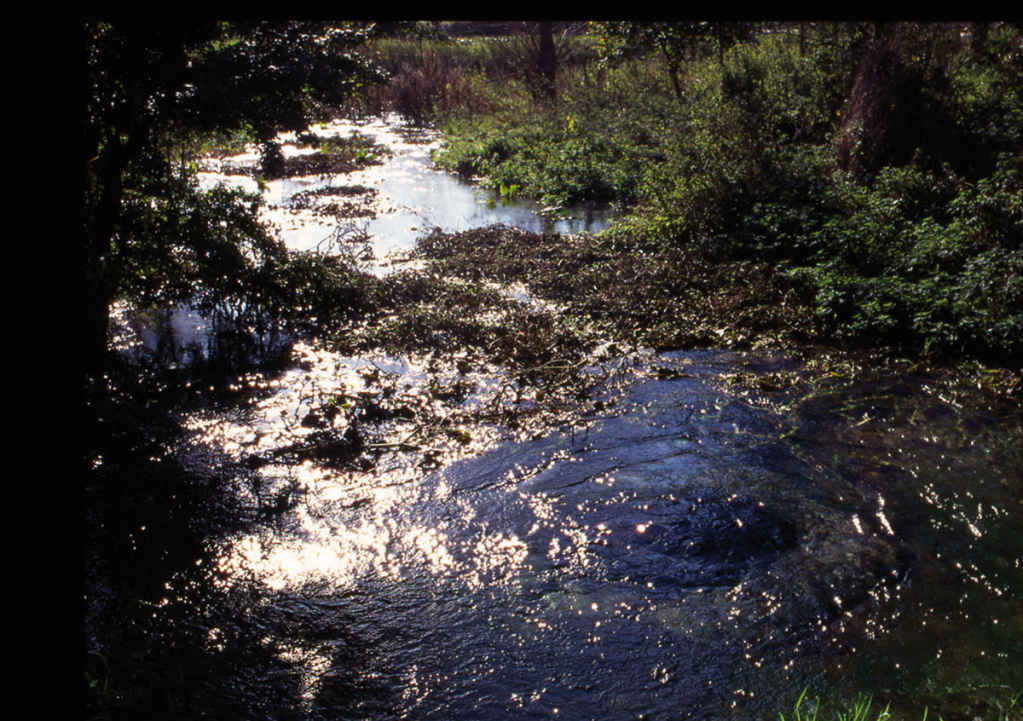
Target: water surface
{"type": "Point", "coordinates": [411, 195]}
{"type": "Point", "coordinates": [695, 554]}
{"type": "Point", "coordinates": [698, 552]}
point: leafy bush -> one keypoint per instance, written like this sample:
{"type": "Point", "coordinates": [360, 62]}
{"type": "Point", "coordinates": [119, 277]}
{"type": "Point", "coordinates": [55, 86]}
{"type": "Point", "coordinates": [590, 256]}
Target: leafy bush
{"type": "Point", "coordinates": [986, 98]}
{"type": "Point", "coordinates": [558, 160]}
{"type": "Point", "coordinates": [918, 261]}
{"type": "Point", "coordinates": [734, 161]}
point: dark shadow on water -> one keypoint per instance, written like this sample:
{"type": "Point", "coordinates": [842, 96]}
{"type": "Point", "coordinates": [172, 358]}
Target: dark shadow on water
{"type": "Point", "coordinates": [198, 342]}
{"type": "Point", "coordinates": [164, 636]}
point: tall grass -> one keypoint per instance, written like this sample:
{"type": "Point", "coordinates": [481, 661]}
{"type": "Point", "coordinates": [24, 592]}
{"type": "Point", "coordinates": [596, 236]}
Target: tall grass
{"type": "Point", "coordinates": [496, 58]}
{"type": "Point", "coordinates": [432, 78]}
{"type": "Point", "coordinates": [857, 710]}
{"type": "Point", "coordinates": [982, 702]}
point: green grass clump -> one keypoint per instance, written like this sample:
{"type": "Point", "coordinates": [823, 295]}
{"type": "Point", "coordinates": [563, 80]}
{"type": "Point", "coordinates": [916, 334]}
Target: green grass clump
{"type": "Point", "coordinates": [858, 710]}
{"type": "Point", "coordinates": [989, 704]}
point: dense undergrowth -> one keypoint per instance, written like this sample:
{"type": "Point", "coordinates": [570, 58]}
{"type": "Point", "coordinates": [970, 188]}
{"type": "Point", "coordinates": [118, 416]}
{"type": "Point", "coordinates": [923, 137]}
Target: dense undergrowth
{"type": "Point", "coordinates": [909, 241]}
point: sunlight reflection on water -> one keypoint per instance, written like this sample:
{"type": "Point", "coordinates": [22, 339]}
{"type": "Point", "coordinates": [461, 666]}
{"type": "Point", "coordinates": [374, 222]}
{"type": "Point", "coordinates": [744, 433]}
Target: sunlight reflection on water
{"type": "Point", "coordinates": [411, 195]}
{"type": "Point", "coordinates": [571, 559]}
{"type": "Point", "coordinates": [676, 559]}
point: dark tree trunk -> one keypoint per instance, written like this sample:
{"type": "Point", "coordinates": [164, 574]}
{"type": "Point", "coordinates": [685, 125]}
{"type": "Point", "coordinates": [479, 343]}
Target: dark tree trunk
{"type": "Point", "coordinates": [978, 37]}
{"type": "Point", "coordinates": [867, 113]}
{"type": "Point", "coordinates": [547, 61]}
{"type": "Point", "coordinates": [674, 64]}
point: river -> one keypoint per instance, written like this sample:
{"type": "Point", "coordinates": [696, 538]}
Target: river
{"type": "Point", "coordinates": [706, 548]}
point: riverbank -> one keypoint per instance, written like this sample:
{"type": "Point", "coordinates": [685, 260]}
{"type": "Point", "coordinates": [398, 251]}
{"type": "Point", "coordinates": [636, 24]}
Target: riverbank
{"type": "Point", "coordinates": [371, 442]}
{"type": "Point", "coordinates": [736, 173]}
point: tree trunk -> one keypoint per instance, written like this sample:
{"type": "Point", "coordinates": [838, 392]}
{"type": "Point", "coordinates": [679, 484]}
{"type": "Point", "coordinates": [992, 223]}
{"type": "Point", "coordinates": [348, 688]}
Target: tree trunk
{"type": "Point", "coordinates": [547, 62]}
{"type": "Point", "coordinates": [867, 113]}
{"type": "Point", "coordinates": [979, 37]}
{"type": "Point", "coordinates": [674, 66]}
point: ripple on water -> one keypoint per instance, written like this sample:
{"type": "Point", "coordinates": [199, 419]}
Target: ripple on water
{"type": "Point", "coordinates": [676, 555]}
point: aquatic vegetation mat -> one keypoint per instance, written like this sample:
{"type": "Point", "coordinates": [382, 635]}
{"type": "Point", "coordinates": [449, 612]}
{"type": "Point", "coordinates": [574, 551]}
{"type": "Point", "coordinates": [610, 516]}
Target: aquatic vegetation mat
{"type": "Point", "coordinates": [664, 299]}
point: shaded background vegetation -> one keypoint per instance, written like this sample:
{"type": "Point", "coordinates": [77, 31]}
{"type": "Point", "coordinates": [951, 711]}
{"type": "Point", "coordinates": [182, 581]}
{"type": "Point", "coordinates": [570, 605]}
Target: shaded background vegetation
{"type": "Point", "coordinates": [873, 167]}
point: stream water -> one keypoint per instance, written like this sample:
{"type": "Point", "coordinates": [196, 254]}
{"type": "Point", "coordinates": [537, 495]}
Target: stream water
{"type": "Point", "coordinates": [697, 553]}
{"type": "Point", "coordinates": [405, 196]}
{"type": "Point", "coordinates": [411, 195]}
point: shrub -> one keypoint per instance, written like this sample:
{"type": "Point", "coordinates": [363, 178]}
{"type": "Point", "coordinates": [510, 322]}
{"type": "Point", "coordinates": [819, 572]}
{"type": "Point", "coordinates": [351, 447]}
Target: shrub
{"type": "Point", "coordinates": [920, 254]}
{"type": "Point", "coordinates": [924, 262]}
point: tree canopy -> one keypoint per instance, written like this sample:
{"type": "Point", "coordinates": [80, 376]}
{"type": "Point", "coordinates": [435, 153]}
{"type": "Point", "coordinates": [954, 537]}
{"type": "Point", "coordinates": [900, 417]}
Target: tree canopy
{"type": "Point", "coordinates": [150, 89]}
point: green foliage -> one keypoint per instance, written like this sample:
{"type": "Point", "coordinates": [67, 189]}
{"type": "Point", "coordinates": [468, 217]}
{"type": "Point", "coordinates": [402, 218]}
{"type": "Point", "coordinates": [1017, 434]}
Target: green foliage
{"type": "Point", "coordinates": [985, 98]}
{"type": "Point", "coordinates": [433, 75]}
{"type": "Point", "coordinates": [857, 710]}
{"type": "Point", "coordinates": [734, 160]}
{"type": "Point", "coordinates": [781, 95]}
{"type": "Point", "coordinates": [155, 93]}
{"type": "Point", "coordinates": [996, 702]}
{"type": "Point", "coordinates": [487, 55]}
{"type": "Point", "coordinates": [743, 125]}
{"type": "Point", "coordinates": [921, 261]}
{"type": "Point", "coordinates": [560, 159]}
{"type": "Point", "coordinates": [192, 244]}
